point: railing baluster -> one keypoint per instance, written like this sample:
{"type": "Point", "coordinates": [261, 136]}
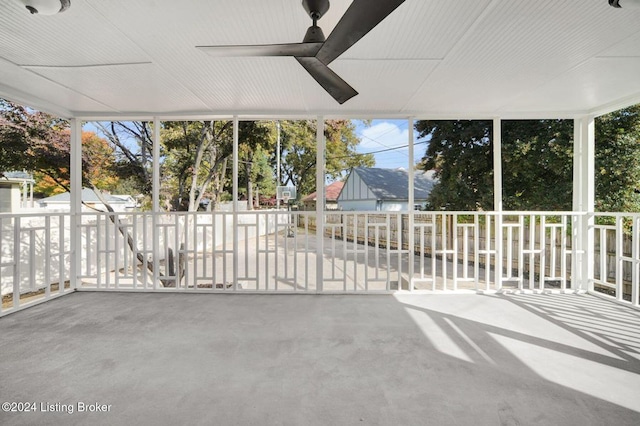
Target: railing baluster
{"type": "Point", "coordinates": [16, 262]}
{"type": "Point", "coordinates": [635, 253]}
{"type": "Point", "coordinates": [563, 254]}
{"type": "Point", "coordinates": [454, 257]}
{"type": "Point", "coordinates": [476, 250]}
{"type": "Point", "coordinates": [543, 251]}
{"type": "Point", "coordinates": [619, 262]}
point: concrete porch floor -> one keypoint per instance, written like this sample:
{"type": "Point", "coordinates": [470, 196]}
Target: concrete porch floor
{"type": "Point", "coordinates": [337, 360]}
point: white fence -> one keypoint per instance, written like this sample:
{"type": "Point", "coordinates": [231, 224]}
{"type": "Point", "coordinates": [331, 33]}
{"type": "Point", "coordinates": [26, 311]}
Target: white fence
{"type": "Point", "coordinates": [278, 251]}
{"type": "Point", "coordinates": [35, 256]}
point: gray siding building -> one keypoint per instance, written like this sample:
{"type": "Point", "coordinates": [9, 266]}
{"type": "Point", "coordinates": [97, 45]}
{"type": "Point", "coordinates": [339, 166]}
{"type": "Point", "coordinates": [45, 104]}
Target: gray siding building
{"type": "Point", "coordinates": [368, 188]}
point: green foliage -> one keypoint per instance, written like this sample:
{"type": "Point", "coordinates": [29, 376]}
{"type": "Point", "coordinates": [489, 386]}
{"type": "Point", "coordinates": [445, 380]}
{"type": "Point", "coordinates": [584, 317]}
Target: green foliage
{"type": "Point", "coordinates": [537, 163]}
{"type": "Point", "coordinates": [195, 161]}
{"type": "Point", "coordinates": [460, 152]}
{"type": "Point", "coordinates": [196, 157]}
{"type": "Point", "coordinates": [299, 149]}
{"type": "Point", "coordinates": [255, 173]}
{"type": "Point", "coordinates": [617, 162]}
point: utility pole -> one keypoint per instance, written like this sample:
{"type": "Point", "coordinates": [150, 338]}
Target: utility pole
{"type": "Point", "coordinates": [278, 152]}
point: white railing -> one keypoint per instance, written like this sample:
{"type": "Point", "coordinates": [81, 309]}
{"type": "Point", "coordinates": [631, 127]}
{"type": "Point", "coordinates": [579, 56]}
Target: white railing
{"type": "Point", "coordinates": [35, 258]}
{"type": "Point", "coordinates": [617, 262]}
{"type": "Point", "coordinates": [276, 251]}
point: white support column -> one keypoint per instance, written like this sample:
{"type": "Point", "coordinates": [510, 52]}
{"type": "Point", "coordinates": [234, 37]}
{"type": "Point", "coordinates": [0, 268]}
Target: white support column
{"type": "Point", "coordinates": [584, 203]}
{"type": "Point", "coordinates": [155, 201]}
{"type": "Point", "coordinates": [497, 164]}
{"type": "Point", "coordinates": [320, 202]}
{"type": "Point", "coordinates": [155, 158]}
{"type": "Point", "coordinates": [236, 136]}
{"type": "Point", "coordinates": [75, 167]}
{"type": "Point", "coordinates": [497, 198]}
{"type": "Point", "coordinates": [577, 255]}
{"type": "Point", "coordinates": [588, 199]}
{"type": "Point", "coordinates": [411, 202]}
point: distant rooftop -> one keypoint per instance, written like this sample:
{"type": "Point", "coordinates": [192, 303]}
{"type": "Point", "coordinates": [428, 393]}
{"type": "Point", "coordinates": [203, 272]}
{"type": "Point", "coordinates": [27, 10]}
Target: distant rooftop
{"type": "Point", "coordinates": [16, 175]}
{"type": "Point", "coordinates": [331, 192]}
{"type": "Point", "coordinates": [88, 196]}
{"type": "Point", "coordinates": [392, 184]}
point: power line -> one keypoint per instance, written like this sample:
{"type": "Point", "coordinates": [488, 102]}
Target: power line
{"type": "Point", "coordinates": [382, 150]}
{"type": "Point", "coordinates": [394, 128]}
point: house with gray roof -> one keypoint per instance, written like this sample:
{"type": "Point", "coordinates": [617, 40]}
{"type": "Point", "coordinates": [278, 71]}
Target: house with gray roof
{"type": "Point", "coordinates": [377, 189]}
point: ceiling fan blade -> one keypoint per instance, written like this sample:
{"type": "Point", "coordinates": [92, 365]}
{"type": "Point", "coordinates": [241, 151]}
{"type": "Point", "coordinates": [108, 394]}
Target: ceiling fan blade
{"type": "Point", "coordinates": [360, 18]}
{"type": "Point", "coordinates": [289, 49]}
{"type": "Point", "coordinates": [329, 80]}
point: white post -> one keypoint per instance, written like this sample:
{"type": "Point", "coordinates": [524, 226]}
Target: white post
{"type": "Point", "coordinates": [497, 198]}
{"type": "Point", "coordinates": [155, 200]}
{"type": "Point", "coordinates": [584, 203]}
{"type": "Point", "coordinates": [588, 200]}
{"type": "Point", "coordinates": [75, 167]}
{"type": "Point", "coordinates": [577, 255]}
{"type": "Point", "coordinates": [235, 201]}
{"type": "Point", "coordinates": [411, 202]}
{"type": "Point", "coordinates": [155, 191]}
{"type": "Point", "coordinates": [278, 177]}
{"type": "Point", "coordinates": [320, 201]}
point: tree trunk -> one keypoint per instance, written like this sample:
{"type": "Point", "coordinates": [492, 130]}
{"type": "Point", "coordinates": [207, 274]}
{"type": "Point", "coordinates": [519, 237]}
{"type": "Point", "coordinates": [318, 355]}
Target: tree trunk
{"type": "Point", "coordinates": [151, 265]}
{"type": "Point", "coordinates": [249, 186]}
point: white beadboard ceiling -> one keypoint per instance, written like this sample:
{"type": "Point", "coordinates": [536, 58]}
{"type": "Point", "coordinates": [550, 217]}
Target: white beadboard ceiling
{"type": "Point", "coordinates": [428, 59]}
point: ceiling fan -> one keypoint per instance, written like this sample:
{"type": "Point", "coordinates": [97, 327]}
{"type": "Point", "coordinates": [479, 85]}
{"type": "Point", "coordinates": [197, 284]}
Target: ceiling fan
{"type": "Point", "coordinates": [315, 52]}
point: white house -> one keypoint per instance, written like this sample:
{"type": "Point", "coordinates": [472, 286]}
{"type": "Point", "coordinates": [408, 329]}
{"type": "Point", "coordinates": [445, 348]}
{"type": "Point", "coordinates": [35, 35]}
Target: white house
{"type": "Point", "coordinates": [16, 191]}
{"type": "Point", "coordinates": [384, 189]}
{"type": "Point", "coordinates": [119, 203]}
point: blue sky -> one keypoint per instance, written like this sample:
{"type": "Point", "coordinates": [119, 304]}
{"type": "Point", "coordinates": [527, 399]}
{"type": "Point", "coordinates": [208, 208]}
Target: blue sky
{"type": "Point", "coordinates": [388, 136]}
{"type": "Point", "coordinates": [384, 135]}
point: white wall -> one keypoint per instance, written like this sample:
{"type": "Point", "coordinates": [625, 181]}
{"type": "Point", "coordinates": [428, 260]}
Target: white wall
{"type": "Point", "coordinates": [394, 206]}
{"type": "Point", "coordinates": [357, 205]}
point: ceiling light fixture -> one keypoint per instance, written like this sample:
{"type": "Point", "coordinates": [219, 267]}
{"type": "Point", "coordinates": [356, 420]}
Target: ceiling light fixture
{"type": "Point", "coordinates": [46, 7]}
{"type": "Point", "coordinates": [625, 4]}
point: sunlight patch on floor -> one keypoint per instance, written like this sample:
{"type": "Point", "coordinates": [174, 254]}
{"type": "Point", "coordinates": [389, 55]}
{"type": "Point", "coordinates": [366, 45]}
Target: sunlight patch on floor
{"type": "Point", "coordinates": [593, 378]}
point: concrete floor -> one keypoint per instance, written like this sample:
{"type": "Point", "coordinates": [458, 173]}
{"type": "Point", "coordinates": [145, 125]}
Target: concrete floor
{"type": "Point", "coordinates": [323, 360]}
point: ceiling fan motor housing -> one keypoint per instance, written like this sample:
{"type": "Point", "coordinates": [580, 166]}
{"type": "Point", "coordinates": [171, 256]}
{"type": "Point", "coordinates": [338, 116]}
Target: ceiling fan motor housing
{"type": "Point", "coordinates": [314, 35]}
{"type": "Point", "coordinates": [316, 8]}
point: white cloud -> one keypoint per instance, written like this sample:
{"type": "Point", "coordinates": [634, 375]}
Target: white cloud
{"type": "Point", "coordinates": [382, 135]}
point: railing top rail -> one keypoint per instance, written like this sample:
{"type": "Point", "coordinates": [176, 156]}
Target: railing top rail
{"type": "Point", "coordinates": [32, 214]}
{"type": "Point", "coordinates": [617, 214]}
{"type": "Point", "coordinates": [330, 212]}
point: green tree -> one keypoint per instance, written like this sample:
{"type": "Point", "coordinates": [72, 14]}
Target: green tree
{"type": "Point", "coordinates": [132, 144]}
{"type": "Point", "coordinates": [196, 157]}
{"type": "Point", "coordinates": [460, 152]}
{"type": "Point", "coordinates": [254, 142]}
{"type": "Point", "coordinates": [617, 162]}
{"type": "Point", "coordinates": [537, 167]}
{"type": "Point", "coordinates": [537, 163]}
{"type": "Point", "coordinates": [299, 150]}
